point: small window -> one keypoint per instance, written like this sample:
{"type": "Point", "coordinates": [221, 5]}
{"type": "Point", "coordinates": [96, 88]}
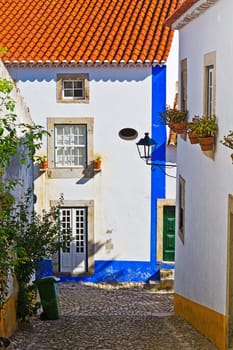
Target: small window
{"type": "Point", "coordinates": [210, 90]}
{"type": "Point", "coordinates": [210, 83]}
{"type": "Point", "coordinates": [183, 90]}
{"type": "Point", "coordinates": [128, 134]}
{"type": "Point", "coordinates": [181, 218]}
{"type": "Point", "coordinates": [72, 88]}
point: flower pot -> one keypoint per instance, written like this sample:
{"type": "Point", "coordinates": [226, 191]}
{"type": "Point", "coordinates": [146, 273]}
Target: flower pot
{"type": "Point", "coordinates": [179, 128]}
{"type": "Point", "coordinates": [44, 165]}
{"type": "Point", "coordinates": [97, 164]}
{"type": "Point", "coordinates": [193, 138]}
{"type": "Point", "coordinates": [206, 143]}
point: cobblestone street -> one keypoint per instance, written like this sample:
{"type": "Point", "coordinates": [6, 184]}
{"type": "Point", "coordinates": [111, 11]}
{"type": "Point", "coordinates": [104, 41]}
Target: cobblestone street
{"type": "Point", "coordinates": [109, 318]}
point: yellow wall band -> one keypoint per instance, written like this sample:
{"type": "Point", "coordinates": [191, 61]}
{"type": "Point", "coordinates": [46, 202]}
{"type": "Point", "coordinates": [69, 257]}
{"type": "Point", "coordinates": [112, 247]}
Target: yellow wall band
{"type": "Point", "coordinates": [209, 322]}
{"type": "Point", "coordinates": [8, 322]}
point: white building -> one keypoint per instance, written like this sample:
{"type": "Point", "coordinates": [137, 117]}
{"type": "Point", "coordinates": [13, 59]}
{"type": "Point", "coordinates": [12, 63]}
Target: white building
{"type": "Point", "coordinates": [204, 249]}
{"type": "Point", "coordinates": [89, 85]}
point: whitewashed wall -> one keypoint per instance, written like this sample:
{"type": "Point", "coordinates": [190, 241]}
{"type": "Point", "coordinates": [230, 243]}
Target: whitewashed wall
{"type": "Point", "coordinates": [119, 98]}
{"type": "Point", "coordinates": [201, 261]}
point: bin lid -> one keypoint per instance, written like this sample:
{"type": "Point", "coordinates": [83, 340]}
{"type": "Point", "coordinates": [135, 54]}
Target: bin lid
{"type": "Point", "coordinates": [50, 279]}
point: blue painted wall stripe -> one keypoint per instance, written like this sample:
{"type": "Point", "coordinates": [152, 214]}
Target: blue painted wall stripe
{"type": "Point", "coordinates": [158, 132]}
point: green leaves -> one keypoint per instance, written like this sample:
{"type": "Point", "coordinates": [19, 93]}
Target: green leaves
{"type": "Point", "coordinates": [25, 238]}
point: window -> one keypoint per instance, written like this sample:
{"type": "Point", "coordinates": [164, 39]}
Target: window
{"type": "Point", "coordinates": [70, 147]}
{"type": "Point", "coordinates": [210, 83]}
{"type": "Point", "coordinates": [209, 87]}
{"type": "Point", "coordinates": [183, 91]}
{"type": "Point", "coordinates": [181, 218]}
{"type": "Point", "coordinates": [72, 88]}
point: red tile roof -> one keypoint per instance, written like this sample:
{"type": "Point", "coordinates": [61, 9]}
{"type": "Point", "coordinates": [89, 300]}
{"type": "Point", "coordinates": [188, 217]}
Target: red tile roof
{"type": "Point", "coordinates": [83, 31]}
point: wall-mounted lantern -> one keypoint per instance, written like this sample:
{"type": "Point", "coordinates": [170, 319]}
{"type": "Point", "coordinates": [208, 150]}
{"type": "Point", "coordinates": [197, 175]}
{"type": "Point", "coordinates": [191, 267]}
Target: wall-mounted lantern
{"type": "Point", "coordinates": [145, 148]}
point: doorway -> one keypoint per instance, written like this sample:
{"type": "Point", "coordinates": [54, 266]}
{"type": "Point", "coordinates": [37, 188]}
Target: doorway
{"type": "Point", "coordinates": [73, 256]}
{"type": "Point", "coordinates": [169, 233]}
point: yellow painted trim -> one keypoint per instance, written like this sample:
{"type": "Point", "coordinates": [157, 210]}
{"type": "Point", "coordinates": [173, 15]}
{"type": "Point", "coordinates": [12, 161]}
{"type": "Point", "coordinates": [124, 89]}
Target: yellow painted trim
{"type": "Point", "coordinates": [8, 322]}
{"type": "Point", "coordinates": [210, 323]}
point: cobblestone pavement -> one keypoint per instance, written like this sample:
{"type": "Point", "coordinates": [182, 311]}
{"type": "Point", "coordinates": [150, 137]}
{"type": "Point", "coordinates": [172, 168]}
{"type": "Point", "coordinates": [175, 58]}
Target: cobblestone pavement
{"type": "Point", "coordinates": [104, 317]}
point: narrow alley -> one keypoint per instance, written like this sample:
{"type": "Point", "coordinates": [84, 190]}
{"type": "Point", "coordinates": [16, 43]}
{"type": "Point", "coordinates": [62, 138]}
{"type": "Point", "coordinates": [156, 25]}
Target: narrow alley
{"type": "Point", "coordinates": [105, 317]}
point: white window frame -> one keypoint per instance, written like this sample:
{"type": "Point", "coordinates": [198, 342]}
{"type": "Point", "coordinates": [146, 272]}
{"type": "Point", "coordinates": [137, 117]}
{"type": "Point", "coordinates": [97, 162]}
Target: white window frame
{"type": "Point", "coordinates": [72, 78]}
{"type": "Point", "coordinates": [209, 107]}
{"type": "Point", "coordinates": [72, 89]}
{"type": "Point", "coordinates": [210, 90]}
{"type": "Point", "coordinates": [90, 205]}
{"type": "Point", "coordinates": [70, 171]}
{"type": "Point", "coordinates": [72, 146]}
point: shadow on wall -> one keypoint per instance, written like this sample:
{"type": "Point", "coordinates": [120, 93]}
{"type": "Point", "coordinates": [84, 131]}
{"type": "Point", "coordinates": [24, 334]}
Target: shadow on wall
{"type": "Point", "coordinates": [111, 271]}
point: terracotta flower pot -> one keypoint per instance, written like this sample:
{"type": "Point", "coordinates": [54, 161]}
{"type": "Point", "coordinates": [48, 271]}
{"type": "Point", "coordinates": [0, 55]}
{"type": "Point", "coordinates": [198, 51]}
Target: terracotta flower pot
{"type": "Point", "coordinates": [44, 165]}
{"type": "Point", "coordinates": [206, 143]}
{"type": "Point", "coordinates": [97, 164]}
{"type": "Point", "coordinates": [193, 138]}
{"type": "Point", "coordinates": [179, 128]}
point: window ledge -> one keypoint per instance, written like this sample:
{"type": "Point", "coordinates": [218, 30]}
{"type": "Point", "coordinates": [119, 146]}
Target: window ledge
{"type": "Point", "coordinates": [66, 173]}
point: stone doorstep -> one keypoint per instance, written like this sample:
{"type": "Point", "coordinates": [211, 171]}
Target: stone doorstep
{"type": "Point", "coordinates": [167, 273]}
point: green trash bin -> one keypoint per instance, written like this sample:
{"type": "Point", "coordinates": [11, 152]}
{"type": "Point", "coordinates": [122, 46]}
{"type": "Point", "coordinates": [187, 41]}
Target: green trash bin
{"type": "Point", "coordinates": [49, 297]}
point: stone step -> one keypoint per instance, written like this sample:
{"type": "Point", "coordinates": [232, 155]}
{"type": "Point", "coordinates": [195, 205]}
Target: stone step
{"type": "Point", "coordinates": [165, 282]}
{"type": "Point", "coordinates": [167, 277]}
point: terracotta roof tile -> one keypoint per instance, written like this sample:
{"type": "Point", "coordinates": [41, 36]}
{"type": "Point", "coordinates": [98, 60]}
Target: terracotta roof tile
{"type": "Point", "coordinates": [82, 30]}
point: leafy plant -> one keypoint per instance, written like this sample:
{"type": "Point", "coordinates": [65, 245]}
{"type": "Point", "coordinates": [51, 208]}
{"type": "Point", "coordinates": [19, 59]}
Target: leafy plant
{"type": "Point", "coordinates": [40, 159]}
{"type": "Point", "coordinates": [228, 139]}
{"type": "Point", "coordinates": [35, 239]}
{"type": "Point", "coordinates": [19, 140]}
{"type": "Point", "coordinates": [205, 126]}
{"type": "Point", "coordinates": [173, 115]}
{"type": "Point", "coordinates": [98, 157]}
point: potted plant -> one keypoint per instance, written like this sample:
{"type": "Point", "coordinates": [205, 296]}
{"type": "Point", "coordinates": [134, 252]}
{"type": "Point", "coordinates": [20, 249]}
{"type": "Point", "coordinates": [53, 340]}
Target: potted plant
{"type": "Point", "coordinates": [175, 119]}
{"type": "Point", "coordinates": [193, 138]}
{"type": "Point", "coordinates": [42, 161]}
{"type": "Point", "coordinates": [97, 162]}
{"type": "Point", "coordinates": [206, 130]}
{"type": "Point", "coordinates": [228, 141]}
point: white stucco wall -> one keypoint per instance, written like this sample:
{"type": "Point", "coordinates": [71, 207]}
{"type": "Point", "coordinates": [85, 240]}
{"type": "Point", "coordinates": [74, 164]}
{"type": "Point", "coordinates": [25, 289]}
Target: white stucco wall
{"type": "Point", "coordinates": [119, 98]}
{"type": "Point", "coordinates": [172, 70]}
{"type": "Point", "coordinates": [201, 261]}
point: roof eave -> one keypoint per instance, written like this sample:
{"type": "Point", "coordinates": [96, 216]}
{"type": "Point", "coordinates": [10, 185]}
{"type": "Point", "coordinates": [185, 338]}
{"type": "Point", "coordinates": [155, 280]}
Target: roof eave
{"type": "Point", "coordinates": [97, 63]}
{"type": "Point", "coordinates": [189, 10]}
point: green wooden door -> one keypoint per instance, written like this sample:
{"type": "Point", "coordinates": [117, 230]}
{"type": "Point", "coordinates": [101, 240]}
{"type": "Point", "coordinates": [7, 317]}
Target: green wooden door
{"type": "Point", "coordinates": [169, 233]}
